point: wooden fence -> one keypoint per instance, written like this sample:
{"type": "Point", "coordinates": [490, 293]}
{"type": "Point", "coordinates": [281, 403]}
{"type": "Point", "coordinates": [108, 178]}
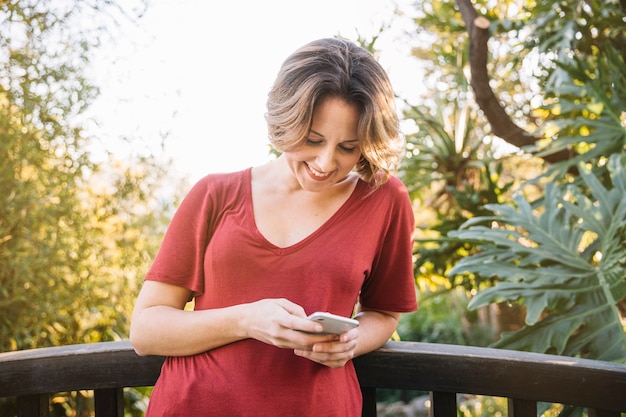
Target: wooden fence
{"type": "Point", "coordinates": [443, 370]}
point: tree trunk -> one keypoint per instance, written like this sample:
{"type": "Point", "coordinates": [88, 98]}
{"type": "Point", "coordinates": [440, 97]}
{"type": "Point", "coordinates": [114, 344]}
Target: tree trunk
{"type": "Point", "coordinates": [500, 122]}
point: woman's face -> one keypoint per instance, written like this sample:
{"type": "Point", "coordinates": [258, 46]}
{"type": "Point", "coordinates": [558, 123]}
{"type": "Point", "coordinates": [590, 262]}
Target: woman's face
{"type": "Point", "coordinates": [331, 149]}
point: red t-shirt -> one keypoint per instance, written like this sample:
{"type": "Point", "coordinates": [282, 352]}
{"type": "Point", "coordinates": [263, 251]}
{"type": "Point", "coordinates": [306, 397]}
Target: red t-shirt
{"type": "Point", "coordinates": [213, 248]}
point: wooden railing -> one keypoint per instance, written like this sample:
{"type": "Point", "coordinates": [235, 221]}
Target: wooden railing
{"type": "Point", "coordinates": [444, 370]}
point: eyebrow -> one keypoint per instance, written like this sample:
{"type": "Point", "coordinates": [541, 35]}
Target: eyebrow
{"type": "Point", "coordinates": [320, 135]}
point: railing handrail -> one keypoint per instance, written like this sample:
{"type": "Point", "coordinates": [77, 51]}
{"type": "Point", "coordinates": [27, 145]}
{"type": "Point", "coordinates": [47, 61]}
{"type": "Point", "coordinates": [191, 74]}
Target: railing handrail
{"type": "Point", "coordinates": [402, 365]}
{"type": "Point", "coordinates": [496, 372]}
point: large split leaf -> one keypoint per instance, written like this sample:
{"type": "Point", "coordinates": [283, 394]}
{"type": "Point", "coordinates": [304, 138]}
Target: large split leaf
{"type": "Point", "coordinates": [566, 263]}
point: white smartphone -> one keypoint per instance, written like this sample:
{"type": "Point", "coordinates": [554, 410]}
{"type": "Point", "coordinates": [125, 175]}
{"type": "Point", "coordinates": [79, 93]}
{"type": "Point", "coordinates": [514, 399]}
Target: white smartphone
{"type": "Point", "coordinates": [332, 323]}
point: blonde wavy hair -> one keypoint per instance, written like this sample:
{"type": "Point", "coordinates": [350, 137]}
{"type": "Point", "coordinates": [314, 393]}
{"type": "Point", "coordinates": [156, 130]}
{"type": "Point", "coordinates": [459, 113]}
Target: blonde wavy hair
{"type": "Point", "coordinates": [338, 68]}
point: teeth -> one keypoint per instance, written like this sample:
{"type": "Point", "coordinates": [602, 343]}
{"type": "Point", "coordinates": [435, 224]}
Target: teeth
{"type": "Point", "coordinates": [316, 172]}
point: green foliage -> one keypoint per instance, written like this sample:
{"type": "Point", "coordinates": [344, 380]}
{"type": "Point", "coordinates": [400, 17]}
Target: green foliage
{"type": "Point", "coordinates": [451, 171]}
{"type": "Point", "coordinates": [482, 406]}
{"type": "Point", "coordinates": [565, 263]}
{"type": "Point", "coordinates": [443, 52]}
{"type": "Point", "coordinates": [454, 167]}
{"type": "Point", "coordinates": [558, 68]}
{"type": "Point", "coordinates": [563, 255]}
{"type": "Point", "coordinates": [75, 236]}
{"type": "Point", "coordinates": [443, 317]}
{"type": "Point", "coordinates": [584, 46]}
{"type": "Point", "coordinates": [587, 24]}
{"type": "Point", "coordinates": [588, 112]}
{"type": "Point", "coordinates": [43, 160]}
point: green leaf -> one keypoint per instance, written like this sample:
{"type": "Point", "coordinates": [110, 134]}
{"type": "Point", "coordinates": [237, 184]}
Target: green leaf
{"type": "Point", "coordinates": [565, 261]}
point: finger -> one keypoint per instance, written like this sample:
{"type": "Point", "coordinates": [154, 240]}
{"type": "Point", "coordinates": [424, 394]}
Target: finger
{"type": "Point", "coordinates": [296, 317]}
{"type": "Point", "coordinates": [332, 360]}
{"type": "Point", "coordinates": [307, 326]}
{"type": "Point", "coordinates": [306, 341]}
{"type": "Point", "coordinates": [352, 334]}
{"type": "Point", "coordinates": [291, 307]}
{"type": "Point", "coordinates": [334, 347]}
{"type": "Point", "coordinates": [344, 342]}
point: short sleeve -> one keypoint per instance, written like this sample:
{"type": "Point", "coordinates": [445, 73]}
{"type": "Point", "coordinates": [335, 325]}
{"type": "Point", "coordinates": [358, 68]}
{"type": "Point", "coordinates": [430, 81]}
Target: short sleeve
{"type": "Point", "coordinates": [180, 258]}
{"type": "Point", "coordinates": [391, 284]}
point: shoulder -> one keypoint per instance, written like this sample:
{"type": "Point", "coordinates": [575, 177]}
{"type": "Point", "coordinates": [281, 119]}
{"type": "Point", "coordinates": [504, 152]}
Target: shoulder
{"type": "Point", "coordinates": [395, 186]}
{"type": "Point", "coordinates": [219, 182]}
{"type": "Point", "coordinates": [392, 189]}
{"type": "Point", "coordinates": [389, 200]}
{"type": "Point", "coordinates": [222, 179]}
{"type": "Point", "coordinates": [215, 190]}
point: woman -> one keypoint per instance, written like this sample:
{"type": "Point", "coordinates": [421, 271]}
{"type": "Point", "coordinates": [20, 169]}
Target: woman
{"type": "Point", "coordinates": [324, 227]}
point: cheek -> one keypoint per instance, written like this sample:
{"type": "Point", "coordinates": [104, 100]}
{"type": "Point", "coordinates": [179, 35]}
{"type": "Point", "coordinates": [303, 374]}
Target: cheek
{"type": "Point", "coordinates": [296, 156]}
{"type": "Point", "coordinates": [352, 159]}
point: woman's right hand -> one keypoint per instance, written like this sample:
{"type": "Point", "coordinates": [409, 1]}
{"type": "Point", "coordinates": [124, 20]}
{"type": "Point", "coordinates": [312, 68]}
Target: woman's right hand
{"type": "Point", "coordinates": [161, 326]}
{"type": "Point", "coordinates": [282, 323]}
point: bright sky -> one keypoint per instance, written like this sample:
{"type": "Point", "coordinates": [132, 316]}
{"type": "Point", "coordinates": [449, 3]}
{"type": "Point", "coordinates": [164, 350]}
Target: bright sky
{"type": "Point", "coordinates": [197, 72]}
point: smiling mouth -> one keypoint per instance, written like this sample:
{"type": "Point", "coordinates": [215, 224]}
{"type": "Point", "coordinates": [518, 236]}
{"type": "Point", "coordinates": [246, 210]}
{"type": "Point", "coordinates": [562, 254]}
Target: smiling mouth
{"type": "Point", "coordinates": [316, 173]}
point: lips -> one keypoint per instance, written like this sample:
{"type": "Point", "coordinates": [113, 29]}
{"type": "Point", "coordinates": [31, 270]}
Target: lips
{"type": "Point", "coordinates": [315, 174]}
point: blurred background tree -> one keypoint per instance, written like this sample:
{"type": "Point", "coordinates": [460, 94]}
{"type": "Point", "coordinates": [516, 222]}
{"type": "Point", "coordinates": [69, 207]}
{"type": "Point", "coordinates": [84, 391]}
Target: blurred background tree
{"type": "Point", "coordinates": [528, 96]}
{"type": "Point", "coordinates": [73, 232]}
{"type": "Point", "coordinates": [76, 235]}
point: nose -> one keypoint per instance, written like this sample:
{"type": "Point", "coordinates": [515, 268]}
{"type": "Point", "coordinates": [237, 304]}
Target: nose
{"type": "Point", "coordinates": [326, 159]}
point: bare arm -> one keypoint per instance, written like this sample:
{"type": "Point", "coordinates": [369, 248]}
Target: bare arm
{"type": "Point", "coordinates": [379, 326]}
{"type": "Point", "coordinates": [161, 326]}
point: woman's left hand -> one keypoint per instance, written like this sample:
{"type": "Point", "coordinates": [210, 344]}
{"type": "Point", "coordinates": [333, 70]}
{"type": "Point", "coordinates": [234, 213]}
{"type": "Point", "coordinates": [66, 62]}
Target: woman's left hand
{"type": "Point", "coordinates": [333, 354]}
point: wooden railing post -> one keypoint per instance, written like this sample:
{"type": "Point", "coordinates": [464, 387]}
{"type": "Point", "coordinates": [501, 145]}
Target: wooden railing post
{"type": "Point", "coordinates": [443, 404]}
{"type": "Point", "coordinates": [522, 408]}
{"type": "Point", "coordinates": [37, 405]}
{"type": "Point", "coordinates": [109, 402]}
{"type": "Point", "coordinates": [369, 402]}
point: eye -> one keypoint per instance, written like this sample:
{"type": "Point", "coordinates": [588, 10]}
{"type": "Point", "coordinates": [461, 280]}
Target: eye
{"type": "Point", "coordinates": [349, 149]}
{"type": "Point", "coordinates": [313, 142]}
